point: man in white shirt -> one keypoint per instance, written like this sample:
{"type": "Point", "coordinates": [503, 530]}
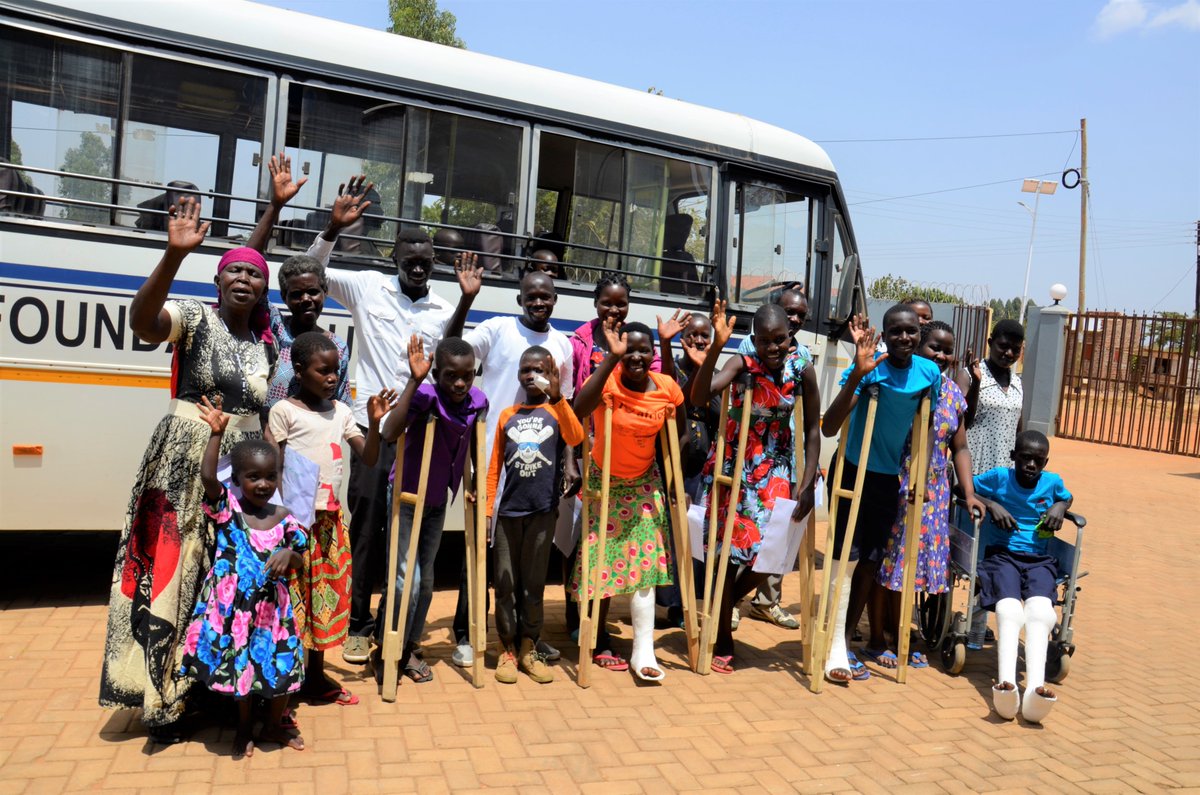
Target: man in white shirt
{"type": "Point", "coordinates": [386, 310]}
{"type": "Point", "coordinates": [499, 343]}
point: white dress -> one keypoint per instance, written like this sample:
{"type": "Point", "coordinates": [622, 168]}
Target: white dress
{"type": "Point", "coordinates": [994, 432]}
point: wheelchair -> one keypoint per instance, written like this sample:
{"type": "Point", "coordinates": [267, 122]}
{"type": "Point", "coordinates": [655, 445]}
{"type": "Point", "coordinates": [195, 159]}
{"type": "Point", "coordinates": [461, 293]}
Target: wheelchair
{"type": "Point", "coordinates": [945, 628]}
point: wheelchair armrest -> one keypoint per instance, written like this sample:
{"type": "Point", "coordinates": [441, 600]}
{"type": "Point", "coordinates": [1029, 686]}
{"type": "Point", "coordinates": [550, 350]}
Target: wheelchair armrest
{"type": "Point", "coordinates": [1076, 518]}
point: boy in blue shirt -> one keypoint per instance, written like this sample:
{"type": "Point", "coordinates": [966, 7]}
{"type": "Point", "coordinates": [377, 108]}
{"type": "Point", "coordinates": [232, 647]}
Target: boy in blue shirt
{"type": "Point", "coordinates": [902, 380]}
{"type": "Point", "coordinates": [1026, 506]}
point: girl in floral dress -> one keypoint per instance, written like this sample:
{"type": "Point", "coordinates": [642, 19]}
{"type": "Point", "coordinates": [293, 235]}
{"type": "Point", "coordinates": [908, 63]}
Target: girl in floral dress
{"type": "Point", "coordinates": [778, 379]}
{"type": "Point", "coordinates": [933, 552]}
{"type": "Point", "coordinates": [636, 559]}
{"type": "Point", "coordinates": [242, 637]}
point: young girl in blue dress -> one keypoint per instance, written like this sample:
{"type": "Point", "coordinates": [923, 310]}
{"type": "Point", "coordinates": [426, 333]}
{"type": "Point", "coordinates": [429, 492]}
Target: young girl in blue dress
{"type": "Point", "coordinates": [242, 638]}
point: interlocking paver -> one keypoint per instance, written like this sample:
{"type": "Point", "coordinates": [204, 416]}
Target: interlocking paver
{"type": "Point", "coordinates": [1117, 728]}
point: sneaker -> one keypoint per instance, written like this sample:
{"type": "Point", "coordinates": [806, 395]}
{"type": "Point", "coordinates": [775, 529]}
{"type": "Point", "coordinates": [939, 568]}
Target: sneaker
{"type": "Point", "coordinates": [357, 650]}
{"type": "Point", "coordinates": [737, 619]}
{"type": "Point", "coordinates": [549, 652]}
{"type": "Point", "coordinates": [463, 656]}
{"type": "Point", "coordinates": [775, 615]}
{"type": "Point", "coordinates": [506, 668]}
{"type": "Point", "coordinates": [533, 664]}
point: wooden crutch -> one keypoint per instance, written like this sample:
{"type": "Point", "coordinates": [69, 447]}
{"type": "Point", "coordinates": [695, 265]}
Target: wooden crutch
{"type": "Point", "coordinates": [589, 607]}
{"type": "Point", "coordinates": [715, 590]}
{"type": "Point", "coordinates": [669, 439]}
{"type": "Point", "coordinates": [807, 557]}
{"type": "Point", "coordinates": [828, 604]}
{"type": "Point", "coordinates": [918, 476]}
{"type": "Point", "coordinates": [393, 639]}
{"type": "Point", "coordinates": [474, 474]}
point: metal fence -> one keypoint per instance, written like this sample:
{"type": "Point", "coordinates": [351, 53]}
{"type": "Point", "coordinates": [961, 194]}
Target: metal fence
{"type": "Point", "coordinates": [972, 325]}
{"type": "Point", "coordinates": [1132, 381]}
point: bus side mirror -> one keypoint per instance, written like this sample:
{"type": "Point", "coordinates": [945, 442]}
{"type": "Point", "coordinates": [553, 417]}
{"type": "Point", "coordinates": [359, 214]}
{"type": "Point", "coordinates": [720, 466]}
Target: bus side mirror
{"type": "Point", "coordinates": [845, 297]}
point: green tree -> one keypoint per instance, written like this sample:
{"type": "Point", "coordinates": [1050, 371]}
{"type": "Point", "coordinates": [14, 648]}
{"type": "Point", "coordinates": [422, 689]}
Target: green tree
{"type": "Point", "coordinates": [897, 288]}
{"type": "Point", "coordinates": [421, 19]}
{"type": "Point", "coordinates": [14, 154]}
{"type": "Point", "coordinates": [92, 157]}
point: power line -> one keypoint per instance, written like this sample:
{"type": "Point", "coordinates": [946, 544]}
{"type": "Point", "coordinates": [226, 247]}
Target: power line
{"type": "Point", "coordinates": [951, 190]}
{"type": "Point", "coordinates": [1186, 273]}
{"type": "Point", "coordinates": [941, 137]}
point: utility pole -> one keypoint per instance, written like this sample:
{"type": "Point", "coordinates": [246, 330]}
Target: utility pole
{"type": "Point", "coordinates": [1083, 215]}
{"type": "Point", "coordinates": [1196, 310]}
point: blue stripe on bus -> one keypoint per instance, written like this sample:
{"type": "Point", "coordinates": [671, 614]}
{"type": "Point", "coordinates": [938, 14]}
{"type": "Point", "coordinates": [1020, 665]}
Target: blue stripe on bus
{"type": "Point", "coordinates": [204, 290]}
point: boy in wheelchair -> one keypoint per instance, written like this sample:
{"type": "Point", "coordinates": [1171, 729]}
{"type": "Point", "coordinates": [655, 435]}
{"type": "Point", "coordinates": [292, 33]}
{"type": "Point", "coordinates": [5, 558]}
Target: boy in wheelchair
{"type": "Point", "coordinates": [1017, 576]}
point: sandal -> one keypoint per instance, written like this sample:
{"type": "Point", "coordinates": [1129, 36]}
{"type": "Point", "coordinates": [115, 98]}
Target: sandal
{"type": "Point", "coordinates": [336, 695]}
{"type": "Point", "coordinates": [288, 720]}
{"type": "Point", "coordinates": [884, 659]}
{"type": "Point", "coordinates": [612, 662]}
{"type": "Point", "coordinates": [419, 673]}
{"type": "Point", "coordinates": [722, 664]}
{"type": "Point", "coordinates": [858, 671]}
{"type": "Point", "coordinates": [918, 660]}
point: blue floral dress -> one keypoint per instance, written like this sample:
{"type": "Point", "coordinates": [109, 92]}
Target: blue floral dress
{"type": "Point", "coordinates": [933, 551]}
{"type": "Point", "coordinates": [770, 455]}
{"type": "Point", "coordinates": [242, 638]}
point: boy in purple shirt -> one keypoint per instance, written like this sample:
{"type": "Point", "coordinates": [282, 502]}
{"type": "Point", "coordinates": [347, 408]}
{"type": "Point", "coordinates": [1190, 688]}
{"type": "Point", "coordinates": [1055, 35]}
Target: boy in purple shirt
{"type": "Point", "coordinates": [456, 403]}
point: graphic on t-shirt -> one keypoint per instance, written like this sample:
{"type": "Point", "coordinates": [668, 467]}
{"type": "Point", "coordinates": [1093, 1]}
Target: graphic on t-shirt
{"type": "Point", "coordinates": [528, 434]}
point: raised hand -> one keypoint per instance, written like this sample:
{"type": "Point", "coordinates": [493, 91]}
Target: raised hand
{"type": "Point", "coordinates": [671, 327]}
{"type": "Point", "coordinates": [469, 273]}
{"type": "Point", "coordinates": [184, 229]}
{"type": "Point", "coordinates": [379, 405]}
{"type": "Point", "coordinates": [419, 363]}
{"type": "Point", "coordinates": [553, 391]}
{"type": "Point", "coordinates": [350, 203]}
{"type": "Point", "coordinates": [283, 189]}
{"type": "Point", "coordinates": [971, 362]}
{"type": "Point", "coordinates": [862, 333]}
{"type": "Point", "coordinates": [616, 340]}
{"type": "Point", "coordinates": [694, 354]}
{"type": "Point", "coordinates": [216, 419]}
{"type": "Point", "coordinates": [722, 325]}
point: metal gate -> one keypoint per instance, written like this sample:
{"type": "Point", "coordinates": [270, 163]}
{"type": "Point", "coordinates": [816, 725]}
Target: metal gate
{"type": "Point", "coordinates": [1132, 381]}
{"type": "Point", "coordinates": [972, 326]}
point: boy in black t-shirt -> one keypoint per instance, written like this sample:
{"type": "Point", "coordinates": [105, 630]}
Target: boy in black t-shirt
{"type": "Point", "coordinates": [531, 438]}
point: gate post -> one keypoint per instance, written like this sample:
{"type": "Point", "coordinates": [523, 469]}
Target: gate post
{"type": "Point", "coordinates": [1045, 353]}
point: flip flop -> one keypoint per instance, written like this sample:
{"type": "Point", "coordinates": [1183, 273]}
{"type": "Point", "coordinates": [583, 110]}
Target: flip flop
{"type": "Point", "coordinates": [419, 673]}
{"type": "Point", "coordinates": [918, 660]}
{"type": "Point", "coordinates": [722, 664]}
{"type": "Point", "coordinates": [884, 659]}
{"type": "Point", "coordinates": [858, 671]}
{"type": "Point", "coordinates": [336, 695]}
{"type": "Point", "coordinates": [288, 720]}
{"type": "Point", "coordinates": [610, 662]}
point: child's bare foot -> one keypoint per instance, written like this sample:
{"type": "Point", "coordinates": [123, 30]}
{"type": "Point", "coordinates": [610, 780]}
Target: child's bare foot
{"type": "Point", "coordinates": [243, 744]}
{"type": "Point", "coordinates": [282, 736]}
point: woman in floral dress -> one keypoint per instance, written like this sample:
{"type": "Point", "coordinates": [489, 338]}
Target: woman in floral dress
{"type": "Point", "coordinates": [949, 448]}
{"type": "Point", "coordinates": [778, 378]}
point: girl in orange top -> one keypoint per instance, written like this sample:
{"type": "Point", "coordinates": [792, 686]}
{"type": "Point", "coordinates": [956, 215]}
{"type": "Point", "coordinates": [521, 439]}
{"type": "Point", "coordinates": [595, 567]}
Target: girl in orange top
{"type": "Point", "coordinates": [636, 557]}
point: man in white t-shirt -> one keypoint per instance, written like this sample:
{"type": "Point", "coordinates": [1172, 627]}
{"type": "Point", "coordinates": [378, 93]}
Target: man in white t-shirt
{"type": "Point", "coordinates": [386, 310]}
{"type": "Point", "coordinates": [499, 343]}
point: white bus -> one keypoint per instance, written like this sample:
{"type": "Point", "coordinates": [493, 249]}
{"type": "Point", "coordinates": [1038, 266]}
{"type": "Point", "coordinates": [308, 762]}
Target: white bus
{"type": "Point", "coordinates": [105, 108]}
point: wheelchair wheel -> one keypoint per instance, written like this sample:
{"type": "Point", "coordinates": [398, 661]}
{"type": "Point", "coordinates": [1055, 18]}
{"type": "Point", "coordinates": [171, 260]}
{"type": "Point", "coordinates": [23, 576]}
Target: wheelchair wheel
{"type": "Point", "coordinates": [1058, 665]}
{"type": "Point", "coordinates": [954, 655]}
{"type": "Point", "coordinates": [933, 611]}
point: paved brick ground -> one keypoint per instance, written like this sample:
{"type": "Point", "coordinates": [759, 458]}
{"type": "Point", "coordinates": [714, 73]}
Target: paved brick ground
{"type": "Point", "coordinates": [1128, 718]}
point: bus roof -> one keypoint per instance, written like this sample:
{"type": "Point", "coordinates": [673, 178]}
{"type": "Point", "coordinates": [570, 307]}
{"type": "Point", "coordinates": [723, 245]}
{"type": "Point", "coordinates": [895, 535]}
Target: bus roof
{"type": "Point", "coordinates": [265, 35]}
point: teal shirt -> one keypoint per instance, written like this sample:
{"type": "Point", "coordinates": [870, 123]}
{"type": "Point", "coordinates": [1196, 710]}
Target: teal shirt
{"type": "Point", "coordinates": [900, 393]}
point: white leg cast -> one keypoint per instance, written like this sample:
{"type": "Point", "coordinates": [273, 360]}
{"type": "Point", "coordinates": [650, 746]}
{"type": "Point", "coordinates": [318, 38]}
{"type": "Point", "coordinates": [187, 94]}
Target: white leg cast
{"type": "Point", "coordinates": [1010, 616]}
{"type": "Point", "coordinates": [1039, 623]}
{"type": "Point", "coordinates": [642, 610]}
{"type": "Point", "coordinates": [838, 657]}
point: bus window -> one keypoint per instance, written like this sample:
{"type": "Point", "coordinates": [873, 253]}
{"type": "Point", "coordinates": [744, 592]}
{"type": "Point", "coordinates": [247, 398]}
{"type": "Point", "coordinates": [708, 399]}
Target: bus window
{"type": "Point", "coordinates": [339, 135]}
{"type": "Point", "coordinates": [465, 172]}
{"type": "Point", "coordinates": [838, 258]}
{"type": "Point", "coordinates": [770, 240]}
{"type": "Point", "coordinates": [195, 125]}
{"type": "Point", "coordinates": [638, 212]}
{"type": "Point", "coordinates": [58, 105]}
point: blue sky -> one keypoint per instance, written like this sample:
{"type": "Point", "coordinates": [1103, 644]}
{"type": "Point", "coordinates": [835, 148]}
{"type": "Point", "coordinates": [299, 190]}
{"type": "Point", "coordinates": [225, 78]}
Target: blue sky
{"type": "Point", "coordinates": [842, 71]}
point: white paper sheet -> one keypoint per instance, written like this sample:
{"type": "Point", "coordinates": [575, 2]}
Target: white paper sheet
{"type": "Point", "coordinates": [301, 477]}
{"type": "Point", "coordinates": [781, 539]}
{"type": "Point", "coordinates": [695, 516]}
{"type": "Point", "coordinates": [566, 532]}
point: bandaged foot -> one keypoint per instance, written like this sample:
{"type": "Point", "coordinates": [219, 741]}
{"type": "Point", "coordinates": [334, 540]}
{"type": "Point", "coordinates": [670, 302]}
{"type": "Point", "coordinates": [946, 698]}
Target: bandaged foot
{"type": "Point", "coordinates": [837, 666]}
{"type": "Point", "coordinates": [1038, 703]}
{"type": "Point", "coordinates": [642, 661]}
{"type": "Point", "coordinates": [1006, 700]}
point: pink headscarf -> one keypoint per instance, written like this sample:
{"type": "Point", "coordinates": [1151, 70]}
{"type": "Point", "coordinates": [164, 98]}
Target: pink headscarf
{"type": "Point", "coordinates": [260, 320]}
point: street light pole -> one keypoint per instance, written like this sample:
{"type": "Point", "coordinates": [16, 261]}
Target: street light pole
{"type": "Point", "coordinates": [1036, 187]}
